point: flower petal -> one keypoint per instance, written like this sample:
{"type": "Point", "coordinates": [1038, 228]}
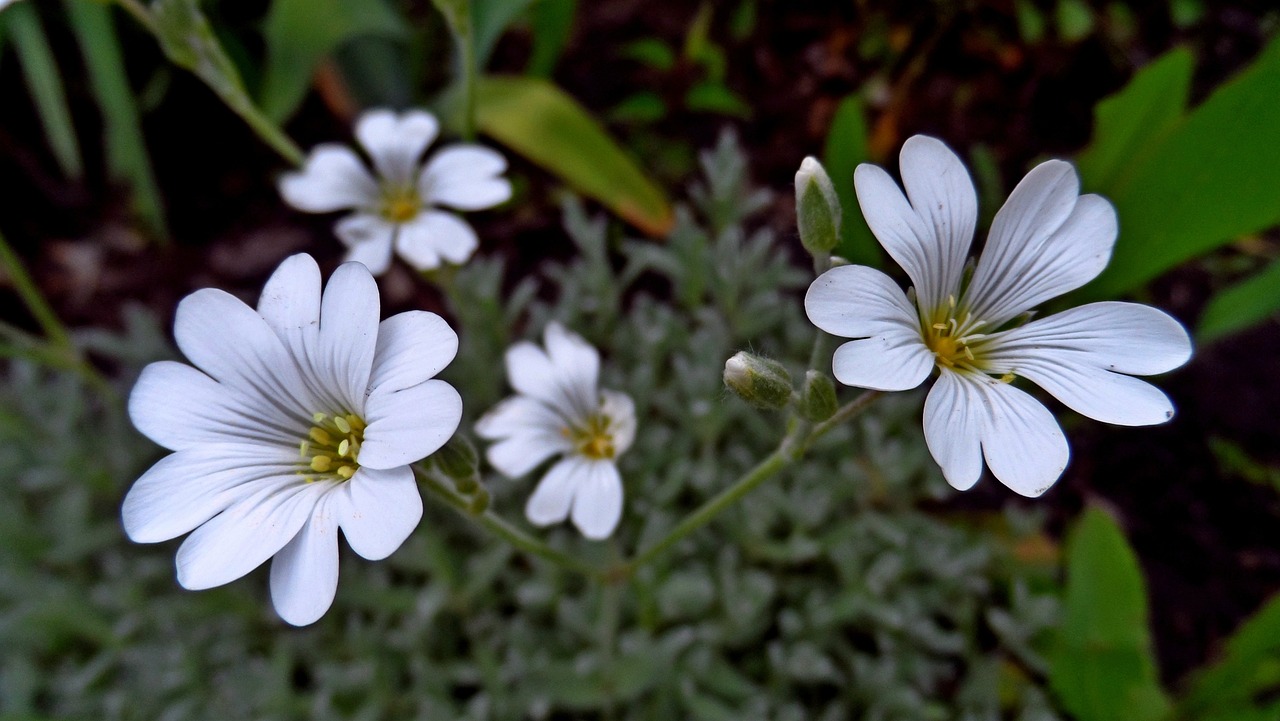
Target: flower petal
{"type": "Point", "coordinates": [179, 407]}
{"type": "Point", "coordinates": [433, 235]}
{"type": "Point", "coordinates": [621, 412]}
{"type": "Point", "coordinates": [233, 344]}
{"type": "Point", "coordinates": [1120, 337]}
{"type": "Point", "coordinates": [854, 301]}
{"type": "Point", "coordinates": [1099, 394]}
{"type": "Point", "coordinates": [347, 339]}
{"type": "Point", "coordinates": [531, 431]}
{"type": "Point", "coordinates": [520, 453]}
{"type": "Point", "coordinates": [465, 177]}
{"type": "Point", "coordinates": [249, 532]}
{"type": "Point", "coordinates": [395, 143]}
{"type": "Point", "coordinates": [290, 303]}
{"type": "Point", "coordinates": [1034, 212]}
{"type": "Point", "coordinates": [577, 366]}
{"type": "Point", "coordinates": [553, 497]}
{"type": "Point", "coordinates": [412, 347]}
{"type": "Point", "coordinates": [597, 500]}
{"type": "Point", "coordinates": [953, 428]}
{"type": "Point", "coordinates": [185, 489]}
{"type": "Point", "coordinates": [929, 236]}
{"type": "Point", "coordinates": [409, 425]}
{"type": "Point", "coordinates": [378, 510]}
{"type": "Point", "coordinates": [304, 574]}
{"type": "Point", "coordinates": [369, 240]}
{"type": "Point", "coordinates": [892, 362]}
{"type": "Point", "coordinates": [333, 178]}
{"type": "Point", "coordinates": [1021, 440]}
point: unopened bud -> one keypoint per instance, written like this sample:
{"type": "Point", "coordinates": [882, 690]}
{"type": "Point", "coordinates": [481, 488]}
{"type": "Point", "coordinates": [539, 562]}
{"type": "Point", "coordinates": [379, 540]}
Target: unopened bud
{"type": "Point", "coordinates": [818, 397]}
{"type": "Point", "coordinates": [759, 381]}
{"type": "Point", "coordinates": [817, 208]}
{"type": "Point", "coordinates": [458, 460]}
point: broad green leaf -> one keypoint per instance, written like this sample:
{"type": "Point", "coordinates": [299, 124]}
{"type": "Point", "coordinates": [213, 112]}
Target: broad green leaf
{"type": "Point", "coordinates": [126, 149]}
{"type": "Point", "coordinates": [1241, 305]}
{"type": "Point", "coordinates": [552, 22]}
{"type": "Point", "coordinates": [846, 147]}
{"type": "Point", "coordinates": [1209, 179]}
{"type": "Point", "coordinates": [490, 19]}
{"type": "Point", "coordinates": [1129, 123]}
{"type": "Point", "coordinates": [299, 33]}
{"type": "Point", "coordinates": [1241, 684]}
{"type": "Point", "coordinates": [539, 121]}
{"type": "Point", "coordinates": [1102, 666]}
{"type": "Point", "coordinates": [44, 82]}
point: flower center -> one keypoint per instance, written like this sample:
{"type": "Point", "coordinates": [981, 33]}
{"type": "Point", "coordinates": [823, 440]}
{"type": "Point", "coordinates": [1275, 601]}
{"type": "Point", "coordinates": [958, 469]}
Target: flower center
{"type": "Point", "coordinates": [332, 447]}
{"type": "Point", "coordinates": [592, 439]}
{"type": "Point", "coordinates": [954, 339]}
{"type": "Point", "coordinates": [400, 205]}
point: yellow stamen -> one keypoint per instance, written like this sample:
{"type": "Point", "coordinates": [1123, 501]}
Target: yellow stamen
{"type": "Point", "coordinates": [332, 447]}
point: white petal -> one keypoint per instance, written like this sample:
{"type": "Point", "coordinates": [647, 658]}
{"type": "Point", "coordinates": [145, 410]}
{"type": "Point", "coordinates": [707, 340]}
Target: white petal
{"type": "Point", "coordinates": [369, 240]}
{"type": "Point", "coordinates": [395, 143]}
{"type": "Point", "coordinates": [333, 178]}
{"type": "Point", "coordinates": [1034, 212]}
{"type": "Point", "coordinates": [597, 500]}
{"type": "Point", "coordinates": [577, 366]}
{"type": "Point", "coordinates": [891, 362]}
{"type": "Point", "coordinates": [1021, 440]}
{"type": "Point", "coordinates": [553, 497]}
{"type": "Point", "coordinates": [1099, 394]}
{"type": "Point", "coordinates": [290, 303]}
{"type": "Point", "coordinates": [521, 452]}
{"type": "Point", "coordinates": [232, 343]}
{"type": "Point", "coordinates": [465, 177]}
{"type": "Point", "coordinates": [378, 510]}
{"type": "Point", "coordinates": [348, 336]}
{"type": "Point", "coordinates": [304, 574]}
{"type": "Point", "coordinates": [519, 414]}
{"type": "Point", "coordinates": [433, 235]}
{"type": "Point", "coordinates": [953, 428]}
{"type": "Point", "coordinates": [854, 301]}
{"type": "Point", "coordinates": [412, 347]}
{"type": "Point", "coordinates": [621, 412]}
{"type": "Point", "coordinates": [409, 425]}
{"type": "Point", "coordinates": [930, 235]}
{"type": "Point", "coordinates": [245, 535]}
{"type": "Point", "coordinates": [185, 489]}
{"type": "Point", "coordinates": [1120, 337]}
{"type": "Point", "coordinates": [179, 407]}
{"type": "Point", "coordinates": [1072, 256]}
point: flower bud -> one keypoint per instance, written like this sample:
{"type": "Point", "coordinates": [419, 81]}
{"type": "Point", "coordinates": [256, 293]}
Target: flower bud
{"type": "Point", "coordinates": [817, 208]}
{"type": "Point", "coordinates": [761, 382]}
{"type": "Point", "coordinates": [817, 397]}
{"type": "Point", "coordinates": [458, 460]}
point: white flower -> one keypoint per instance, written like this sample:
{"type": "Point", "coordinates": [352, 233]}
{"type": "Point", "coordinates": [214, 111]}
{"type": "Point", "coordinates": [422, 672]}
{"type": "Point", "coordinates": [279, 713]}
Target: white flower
{"type": "Point", "coordinates": [398, 208]}
{"type": "Point", "coordinates": [296, 420]}
{"type": "Point", "coordinates": [1046, 240]}
{"type": "Point", "coordinates": [559, 410]}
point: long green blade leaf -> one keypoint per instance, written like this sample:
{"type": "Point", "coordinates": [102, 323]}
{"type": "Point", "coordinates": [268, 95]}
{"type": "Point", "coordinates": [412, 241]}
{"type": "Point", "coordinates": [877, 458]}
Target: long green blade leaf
{"type": "Point", "coordinates": [846, 147]}
{"type": "Point", "coordinates": [1241, 305]}
{"type": "Point", "coordinates": [44, 82]}
{"type": "Point", "coordinates": [1242, 684]}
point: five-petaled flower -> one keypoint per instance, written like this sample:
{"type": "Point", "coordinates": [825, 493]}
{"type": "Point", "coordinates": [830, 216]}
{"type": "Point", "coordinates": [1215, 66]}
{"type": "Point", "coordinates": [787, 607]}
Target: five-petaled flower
{"type": "Point", "coordinates": [560, 410]}
{"type": "Point", "coordinates": [296, 420]}
{"type": "Point", "coordinates": [1046, 240]}
{"type": "Point", "coordinates": [398, 208]}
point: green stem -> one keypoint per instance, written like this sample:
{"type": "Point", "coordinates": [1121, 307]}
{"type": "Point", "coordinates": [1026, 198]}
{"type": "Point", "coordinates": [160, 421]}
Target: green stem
{"type": "Point", "coordinates": [845, 413]}
{"type": "Point", "coordinates": [494, 524]}
{"type": "Point", "coordinates": [31, 296]}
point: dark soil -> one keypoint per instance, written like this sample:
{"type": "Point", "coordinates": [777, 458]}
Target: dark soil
{"type": "Point", "coordinates": [960, 71]}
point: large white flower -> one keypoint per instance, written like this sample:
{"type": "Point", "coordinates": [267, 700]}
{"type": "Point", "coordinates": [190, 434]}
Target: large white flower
{"type": "Point", "coordinates": [296, 420]}
{"type": "Point", "coordinates": [398, 208]}
{"type": "Point", "coordinates": [1046, 240]}
{"type": "Point", "coordinates": [560, 410]}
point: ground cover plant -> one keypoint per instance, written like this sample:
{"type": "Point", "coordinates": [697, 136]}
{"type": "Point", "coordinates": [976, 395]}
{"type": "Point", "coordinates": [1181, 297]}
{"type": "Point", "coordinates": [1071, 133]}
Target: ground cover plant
{"type": "Point", "coordinates": [480, 359]}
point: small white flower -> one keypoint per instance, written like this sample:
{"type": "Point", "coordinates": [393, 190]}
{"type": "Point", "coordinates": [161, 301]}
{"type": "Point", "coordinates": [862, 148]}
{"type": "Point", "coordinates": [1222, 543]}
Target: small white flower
{"type": "Point", "coordinates": [560, 410]}
{"type": "Point", "coordinates": [398, 208]}
{"type": "Point", "coordinates": [1046, 240]}
{"type": "Point", "coordinates": [296, 420]}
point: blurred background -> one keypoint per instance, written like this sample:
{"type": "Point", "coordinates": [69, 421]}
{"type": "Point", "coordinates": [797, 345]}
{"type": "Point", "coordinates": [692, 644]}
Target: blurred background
{"type": "Point", "coordinates": [127, 180]}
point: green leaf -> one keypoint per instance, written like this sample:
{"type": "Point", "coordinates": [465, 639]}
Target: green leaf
{"type": "Point", "coordinates": [1075, 20]}
{"type": "Point", "coordinates": [846, 146]}
{"type": "Point", "coordinates": [491, 19]}
{"type": "Point", "coordinates": [712, 97]}
{"type": "Point", "coordinates": [539, 121]}
{"type": "Point", "coordinates": [44, 82]}
{"type": "Point", "coordinates": [1241, 684]}
{"type": "Point", "coordinates": [552, 22]}
{"type": "Point", "coordinates": [125, 146]}
{"type": "Point", "coordinates": [1241, 305]}
{"type": "Point", "coordinates": [641, 107]}
{"type": "Point", "coordinates": [299, 33]}
{"type": "Point", "coordinates": [1128, 124]}
{"type": "Point", "coordinates": [1207, 180]}
{"type": "Point", "coordinates": [1102, 667]}
{"type": "Point", "coordinates": [652, 52]}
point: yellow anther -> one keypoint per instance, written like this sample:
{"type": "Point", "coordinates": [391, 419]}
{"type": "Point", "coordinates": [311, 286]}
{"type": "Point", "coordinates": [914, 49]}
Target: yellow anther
{"type": "Point", "coordinates": [303, 448]}
{"type": "Point", "coordinates": [320, 464]}
{"type": "Point", "coordinates": [939, 326]}
{"type": "Point", "coordinates": [346, 472]}
{"type": "Point", "coordinates": [343, 447]}
{"type": "Point", "coordinates": [1007, 377]}
{"type": "Point", "coordinates": [321, 436]}
{"type": "Point", "coordinates": [342, 424]}
{"type": "Point", "coordinates": [318, 417]}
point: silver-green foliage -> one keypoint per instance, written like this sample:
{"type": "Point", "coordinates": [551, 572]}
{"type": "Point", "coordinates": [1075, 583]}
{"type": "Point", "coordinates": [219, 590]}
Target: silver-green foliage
{"type": "Point", "coordinates": [827, 594]}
